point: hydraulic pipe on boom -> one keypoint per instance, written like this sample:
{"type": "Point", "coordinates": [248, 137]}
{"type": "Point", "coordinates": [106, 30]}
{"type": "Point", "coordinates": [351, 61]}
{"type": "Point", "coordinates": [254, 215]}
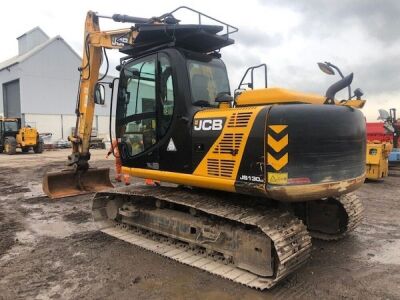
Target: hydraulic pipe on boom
{"type": "Point", "coordinates": [79, 178]}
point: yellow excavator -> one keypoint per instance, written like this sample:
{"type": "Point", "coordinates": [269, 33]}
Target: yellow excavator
{"type": "Point", "coordinates": [246, 179]}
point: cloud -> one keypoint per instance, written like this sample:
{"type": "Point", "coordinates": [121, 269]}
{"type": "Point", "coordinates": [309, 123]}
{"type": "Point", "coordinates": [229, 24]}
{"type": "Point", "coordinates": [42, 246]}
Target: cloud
{"type": "Point", "coordinates": [360, 36]}
{"type": "Point", "coordinates": [380, 19]}
{"type": "Point", "coordinates": [382, 74]}
{"type": "Point", "coordinates": [257, 38]}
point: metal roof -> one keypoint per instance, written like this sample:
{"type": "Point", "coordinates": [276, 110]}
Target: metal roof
{"type": "Point", "coordinates": [20, 58]}
{"type": "Point", "coordinates": [37, 28]}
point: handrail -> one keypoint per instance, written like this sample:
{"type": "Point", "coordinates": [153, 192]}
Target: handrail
{"type": "Point", "coordinates": [229, 28]}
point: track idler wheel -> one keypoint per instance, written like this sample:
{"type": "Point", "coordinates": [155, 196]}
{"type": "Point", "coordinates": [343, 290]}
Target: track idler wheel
{"type": "Point", "coordinates": [332, 218]}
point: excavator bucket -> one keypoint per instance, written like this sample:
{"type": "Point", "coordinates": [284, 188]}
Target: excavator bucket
{"type": "Point", "coordinates": [69, 183]}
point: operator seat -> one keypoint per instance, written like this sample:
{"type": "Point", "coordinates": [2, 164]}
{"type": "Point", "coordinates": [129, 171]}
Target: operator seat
{"type": "Point", "coordinates": [200, 88]}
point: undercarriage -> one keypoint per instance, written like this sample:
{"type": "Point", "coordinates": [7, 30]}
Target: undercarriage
{"type": "Point", "coordinates": [249, 241]}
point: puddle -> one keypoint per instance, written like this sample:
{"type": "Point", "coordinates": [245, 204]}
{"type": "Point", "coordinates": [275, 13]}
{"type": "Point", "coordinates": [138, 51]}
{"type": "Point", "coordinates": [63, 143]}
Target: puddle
{"type": "Point", "coordinates": [11, 192]}
{"type": "Point", "coordinates": [62, 290]}
{"type": "Point", "coordinates": [388, 254]}
{"type": "Point", "coordinates": [78, 217]}
{"type": "Point", "coordinates": [371, 231]}
{"type": "Point", "coordinates": [58, 228]}
{"type": "Point", "coordinates": [25, 237]}
{"type": "Point", "coordinates": [12, 196]}
{"type": "Point", "coordinates": [35, 190]}
{"type": "Point", "coordinates": [24, 241]}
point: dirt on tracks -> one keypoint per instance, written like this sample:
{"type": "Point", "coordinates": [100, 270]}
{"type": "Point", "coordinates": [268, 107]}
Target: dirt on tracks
{"type": "Point", "coordinates": [51, 249]}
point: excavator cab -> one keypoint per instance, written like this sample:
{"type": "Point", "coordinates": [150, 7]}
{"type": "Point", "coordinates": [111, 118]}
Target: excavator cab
{"type": "Point", "coordinates": [158, 95]}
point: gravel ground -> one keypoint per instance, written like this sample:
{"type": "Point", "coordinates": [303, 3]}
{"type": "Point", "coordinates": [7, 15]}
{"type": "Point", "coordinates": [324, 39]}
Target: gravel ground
{"type": "Point", "coordinates": [50, 249]}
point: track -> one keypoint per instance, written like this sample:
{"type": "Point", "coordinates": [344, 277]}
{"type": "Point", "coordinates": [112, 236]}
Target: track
{"type": "Point", "coordinates": [291, 241]}
{"type": "Point", "coordinates": [353, 208]}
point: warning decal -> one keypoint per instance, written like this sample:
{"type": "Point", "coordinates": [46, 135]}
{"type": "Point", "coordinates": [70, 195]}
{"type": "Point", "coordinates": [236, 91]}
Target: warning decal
{"type": "Point", "coordinates": [277, 178]}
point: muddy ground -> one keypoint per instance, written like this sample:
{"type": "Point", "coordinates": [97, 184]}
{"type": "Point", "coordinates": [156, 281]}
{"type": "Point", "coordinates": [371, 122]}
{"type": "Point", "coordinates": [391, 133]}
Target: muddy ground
{"type": "Point", "coordinates": [51, 250]}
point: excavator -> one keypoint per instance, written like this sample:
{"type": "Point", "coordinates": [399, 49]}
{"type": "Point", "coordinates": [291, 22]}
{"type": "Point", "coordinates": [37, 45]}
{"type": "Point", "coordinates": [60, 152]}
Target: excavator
{"type": "Point", "coordinates": [247, 179]}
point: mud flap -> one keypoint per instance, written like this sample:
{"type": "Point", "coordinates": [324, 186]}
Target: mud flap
{"type": "Point", "coordinates": [69, 183]}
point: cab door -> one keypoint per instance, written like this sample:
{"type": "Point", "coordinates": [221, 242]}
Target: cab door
{"type": "Point", "coordinates": [144, 110]}
{"type": "Point", "coordinates": [136, 116]}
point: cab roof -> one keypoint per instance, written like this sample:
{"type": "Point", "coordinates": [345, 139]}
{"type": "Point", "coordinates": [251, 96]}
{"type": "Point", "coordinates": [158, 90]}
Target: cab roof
{"type": "Point", "coordinates": [197, 38]}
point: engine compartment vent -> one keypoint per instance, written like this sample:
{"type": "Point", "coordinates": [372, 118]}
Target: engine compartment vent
{"type": "Point", "coordinates": [240, 119]}
{"type": "Point", "coordinates": [220, 167]}
{"type": "Point", "coordinates": [229, 144]}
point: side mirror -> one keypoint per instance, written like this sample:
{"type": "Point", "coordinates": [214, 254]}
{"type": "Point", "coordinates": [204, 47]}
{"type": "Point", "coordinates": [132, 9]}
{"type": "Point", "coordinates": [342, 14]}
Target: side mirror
{"type": "Point", "coordinates": [383, 115]}
{"type": "Point", "coordinates": [134, 73]}
{"type": "Point", "coordinates": [99, 94]}
{"type": "Point", "coordinates": [324, 67]}
{"type": "Point", "coordinates": [223, 97]}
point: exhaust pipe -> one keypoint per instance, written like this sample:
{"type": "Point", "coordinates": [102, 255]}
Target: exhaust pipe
{"type": "Point", "coordinates": [338, 86]}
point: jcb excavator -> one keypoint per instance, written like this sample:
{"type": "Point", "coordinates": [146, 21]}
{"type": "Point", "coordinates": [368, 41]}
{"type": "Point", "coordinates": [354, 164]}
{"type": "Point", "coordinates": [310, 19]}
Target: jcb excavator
{"type": "Point", "coordinates": [250, 178]}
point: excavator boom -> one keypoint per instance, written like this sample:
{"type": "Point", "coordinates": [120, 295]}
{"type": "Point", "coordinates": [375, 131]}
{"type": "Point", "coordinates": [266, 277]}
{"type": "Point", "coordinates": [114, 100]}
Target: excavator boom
{"type": "Point", "coordinates": [79, 178]}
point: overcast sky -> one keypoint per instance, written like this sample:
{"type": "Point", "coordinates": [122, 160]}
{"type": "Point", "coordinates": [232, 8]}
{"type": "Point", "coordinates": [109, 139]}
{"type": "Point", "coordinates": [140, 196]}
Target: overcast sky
{"type": "Point", "coordinates": [360, 36]}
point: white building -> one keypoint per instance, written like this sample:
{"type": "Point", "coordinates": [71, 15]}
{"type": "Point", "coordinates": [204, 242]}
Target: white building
{"type": "Point", "coordinates": [40, 86]}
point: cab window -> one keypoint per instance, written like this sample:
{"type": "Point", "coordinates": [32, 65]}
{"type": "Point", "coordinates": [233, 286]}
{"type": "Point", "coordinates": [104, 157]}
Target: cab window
{"type": "Point", "coordinates": [207, 80]}
{"type": "Point", "coordinates": [166, 94]}
{"type": "Point", "coordinates": [145, 103]}
{"type": "Point", "coordinates": [10, 126]}
{"type": "Point", "coordinates": [138, 94]}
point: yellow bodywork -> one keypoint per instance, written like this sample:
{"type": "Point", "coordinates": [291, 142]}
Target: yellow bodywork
{"type": "Point", "coordinates": [377, 160]}
{"type": "Point", "coordinates": [282, 96]}
{"type": "Point", "coordinates": [238, 136]}
{"type": "Point", "coordinates": [27, 137]}
{"type": "Point", "coordinates": [221, 175]}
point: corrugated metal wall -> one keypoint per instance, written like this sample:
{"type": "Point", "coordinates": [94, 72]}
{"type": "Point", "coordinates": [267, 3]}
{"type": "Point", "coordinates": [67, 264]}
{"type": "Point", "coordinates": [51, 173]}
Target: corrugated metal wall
{"type": "Point", "coordinates": [48, 87]}
{"type": "Point", "coordinates": [49, 81]}
{"type": "Point", "coordinates": [60, 126]}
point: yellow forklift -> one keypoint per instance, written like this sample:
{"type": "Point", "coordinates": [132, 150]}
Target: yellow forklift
{"type": "Point", "coordinates": [377, 159]}
{"type": "Point", "coordinates": [13, 136]}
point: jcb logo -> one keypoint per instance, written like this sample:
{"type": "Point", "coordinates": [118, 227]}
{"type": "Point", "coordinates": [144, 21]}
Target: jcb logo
{"type": "Point", "coordinates": [208, 124]}
{"type": "Point", "coordinates": [118, 40]}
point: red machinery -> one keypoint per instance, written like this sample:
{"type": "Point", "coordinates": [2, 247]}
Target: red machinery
{"type": "Point", "coordinates": [376, 131]}
{"type": "Point", "coordinates": [387, 131]}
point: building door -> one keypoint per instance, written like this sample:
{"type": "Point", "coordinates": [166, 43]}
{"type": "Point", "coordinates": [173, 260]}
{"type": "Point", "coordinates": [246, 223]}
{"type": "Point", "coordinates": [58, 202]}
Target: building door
{"type": "Point", "coordinates": [11, 99]}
